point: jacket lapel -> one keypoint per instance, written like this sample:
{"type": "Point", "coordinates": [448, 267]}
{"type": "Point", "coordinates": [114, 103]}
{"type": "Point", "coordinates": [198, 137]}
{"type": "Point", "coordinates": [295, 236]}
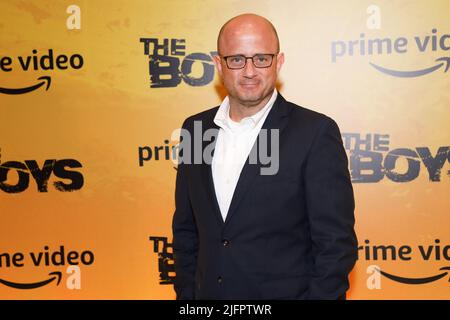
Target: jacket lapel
{"type": "Point", "coordinates": [206, 168]}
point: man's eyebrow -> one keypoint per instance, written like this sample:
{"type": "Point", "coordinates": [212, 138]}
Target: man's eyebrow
{"type": "Point", "coordinates": [242, 54]}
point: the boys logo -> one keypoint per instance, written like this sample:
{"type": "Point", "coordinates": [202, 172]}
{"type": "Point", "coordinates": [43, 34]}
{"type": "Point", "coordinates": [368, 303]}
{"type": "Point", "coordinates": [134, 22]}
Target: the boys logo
{"type": "Point", "coordinates": [371, 159]}
{"type": "Point", "coordinates": [168, 70]}
{"type": "Point", "coordinates": [166, 265]}
{"type": "Point", "coordinates": [41, 175]}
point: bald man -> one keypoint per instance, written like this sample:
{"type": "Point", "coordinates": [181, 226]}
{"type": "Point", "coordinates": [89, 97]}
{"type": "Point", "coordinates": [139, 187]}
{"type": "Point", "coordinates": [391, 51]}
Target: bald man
{"type": "Point", "coordinates": [248, 228]}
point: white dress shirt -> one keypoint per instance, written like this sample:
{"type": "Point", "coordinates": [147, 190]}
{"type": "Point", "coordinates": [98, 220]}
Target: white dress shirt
{"type": "Point", "coordinates": [234, 143]}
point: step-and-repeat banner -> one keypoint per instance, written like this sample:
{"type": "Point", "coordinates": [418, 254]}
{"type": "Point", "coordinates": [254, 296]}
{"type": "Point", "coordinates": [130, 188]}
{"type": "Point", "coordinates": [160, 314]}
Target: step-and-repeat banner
{"type": "Point", "coordinates": [91, 92]}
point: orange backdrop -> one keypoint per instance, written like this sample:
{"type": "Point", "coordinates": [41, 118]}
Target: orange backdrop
{"type": "Point", "coordinates": [86, 182]}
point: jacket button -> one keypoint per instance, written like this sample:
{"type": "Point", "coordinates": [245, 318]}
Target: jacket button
{"type": "Point", "coordinates": [225, 242]}
{"type": "Point", "coordinates": [219, 279]}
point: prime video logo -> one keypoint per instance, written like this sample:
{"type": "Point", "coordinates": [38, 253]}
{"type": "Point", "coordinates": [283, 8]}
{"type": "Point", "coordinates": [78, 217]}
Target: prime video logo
{"type": "Point", "coordinates": [427, 42]}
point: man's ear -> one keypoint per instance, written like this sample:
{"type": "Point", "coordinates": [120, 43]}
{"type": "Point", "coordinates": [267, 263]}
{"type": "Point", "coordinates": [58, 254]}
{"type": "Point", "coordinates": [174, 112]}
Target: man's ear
{"type": "Point", "coordinates": [280, 61]}
{"type": "Point", "coordinates": [218, 62]}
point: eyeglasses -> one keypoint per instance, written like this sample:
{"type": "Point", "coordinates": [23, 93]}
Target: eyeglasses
{"type": "Point", "coordinates": [260, 60]}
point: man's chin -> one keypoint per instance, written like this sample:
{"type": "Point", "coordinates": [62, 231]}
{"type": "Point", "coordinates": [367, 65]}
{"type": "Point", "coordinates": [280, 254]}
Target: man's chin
{"type": "Point", "coordinates": [250, 99]}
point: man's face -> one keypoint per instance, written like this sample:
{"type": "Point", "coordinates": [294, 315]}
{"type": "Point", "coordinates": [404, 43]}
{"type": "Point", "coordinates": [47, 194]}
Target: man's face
{"type": "Point", "coordinates": [251, 85]}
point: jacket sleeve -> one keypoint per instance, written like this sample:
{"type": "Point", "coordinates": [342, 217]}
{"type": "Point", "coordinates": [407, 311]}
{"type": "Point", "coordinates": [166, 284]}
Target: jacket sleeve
{"type": "Point", "coordinates": [185, 236]}
{"type": "Point", "coordinates": [330, 205]}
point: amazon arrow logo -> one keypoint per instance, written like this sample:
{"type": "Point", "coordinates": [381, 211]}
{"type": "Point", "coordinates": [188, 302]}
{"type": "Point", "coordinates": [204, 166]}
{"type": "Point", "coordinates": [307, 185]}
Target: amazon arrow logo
{"type": "Point", "coordinates": [45, 79]}
{"type": "Point", "coordinates": [415, 280]}
{"type": "Point", "coordinates": [415, 73]}
{"type": "Point", "coordinates": [54, 275]}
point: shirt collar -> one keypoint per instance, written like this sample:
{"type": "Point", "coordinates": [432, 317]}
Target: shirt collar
{"type": "Point", "coordinates": [223, 120]}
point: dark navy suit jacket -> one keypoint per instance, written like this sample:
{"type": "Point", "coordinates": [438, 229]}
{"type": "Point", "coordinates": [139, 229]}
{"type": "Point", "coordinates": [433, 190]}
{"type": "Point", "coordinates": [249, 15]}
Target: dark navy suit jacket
{"type": "Point", "coordinates": [286, 236]}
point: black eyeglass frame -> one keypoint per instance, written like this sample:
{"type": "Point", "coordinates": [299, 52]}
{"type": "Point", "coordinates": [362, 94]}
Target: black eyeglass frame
{"type": "Point", "coordinates": [272, 55]}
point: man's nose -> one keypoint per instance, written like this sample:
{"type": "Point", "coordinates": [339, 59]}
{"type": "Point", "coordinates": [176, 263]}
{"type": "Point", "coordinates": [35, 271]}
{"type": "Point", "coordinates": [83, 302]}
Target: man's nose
{"type": "Point", "coordinates": [249, 69]}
